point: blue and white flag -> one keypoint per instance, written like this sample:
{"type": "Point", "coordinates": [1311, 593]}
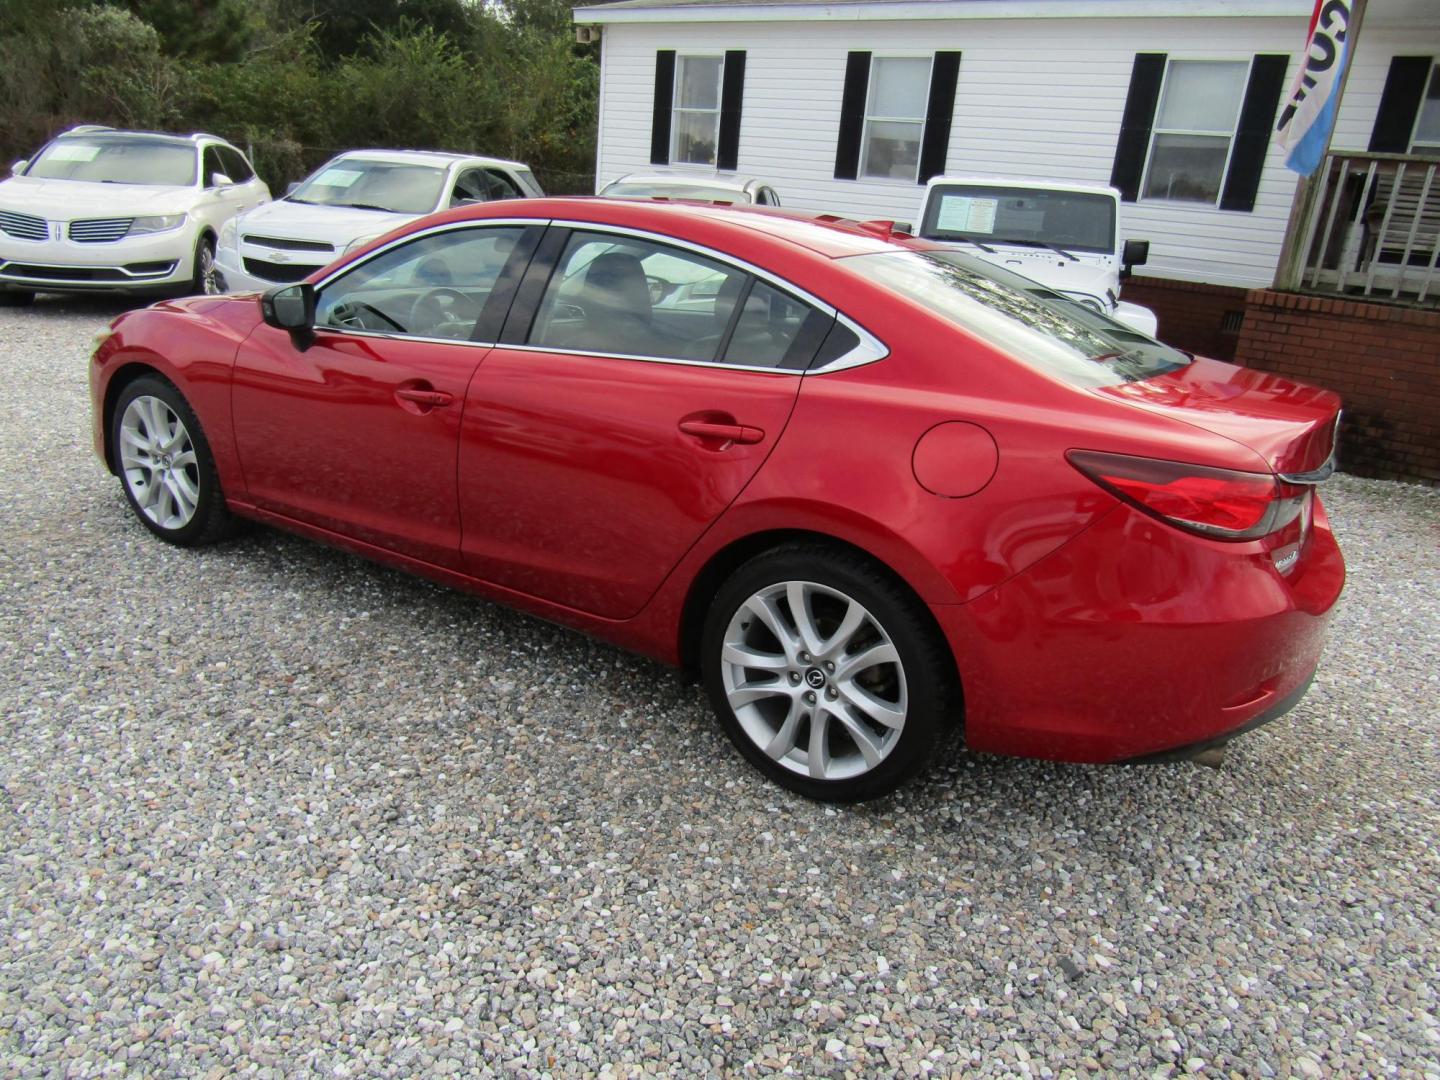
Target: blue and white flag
{"type": "Point", "coordinates": [1309, 113]}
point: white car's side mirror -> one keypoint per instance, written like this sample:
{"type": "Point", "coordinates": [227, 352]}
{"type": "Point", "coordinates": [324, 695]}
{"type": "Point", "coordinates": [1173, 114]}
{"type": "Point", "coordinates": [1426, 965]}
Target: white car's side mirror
{"type": "Point", "coordinates": [18, 167]}
{"type": "Point", "coordinates": [219, 179]}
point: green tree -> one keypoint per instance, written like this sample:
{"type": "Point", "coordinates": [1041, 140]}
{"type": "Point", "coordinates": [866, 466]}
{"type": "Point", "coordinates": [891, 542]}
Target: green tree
{"type": "Point", "coordinates": [199, 29]}
{"type": "Point", "coordinates": [341, 26]}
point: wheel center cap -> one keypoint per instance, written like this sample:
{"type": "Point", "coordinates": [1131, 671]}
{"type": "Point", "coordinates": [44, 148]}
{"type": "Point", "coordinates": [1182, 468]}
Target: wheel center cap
{"type": "Point", "coordinates": [815, 678]}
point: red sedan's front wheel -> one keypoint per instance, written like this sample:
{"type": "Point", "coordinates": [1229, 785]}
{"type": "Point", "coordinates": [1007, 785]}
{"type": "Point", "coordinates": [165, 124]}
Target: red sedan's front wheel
{"type": "Point", "coordinates": [165, 464]}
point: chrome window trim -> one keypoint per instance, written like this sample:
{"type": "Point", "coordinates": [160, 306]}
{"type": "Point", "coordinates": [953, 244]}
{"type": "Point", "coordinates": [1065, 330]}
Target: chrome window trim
{"type": "Point", "coordinates": [771, 370]}
{"type": "Point", "coordinates": [869, 350]}
{"type": "Point", "coordinates": [348, 332]}
{"type": "Point", "coordinates": [709, 253]}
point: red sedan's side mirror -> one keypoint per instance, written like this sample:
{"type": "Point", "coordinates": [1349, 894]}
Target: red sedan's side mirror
{"type": "Point", "coordinates": [292, 308]}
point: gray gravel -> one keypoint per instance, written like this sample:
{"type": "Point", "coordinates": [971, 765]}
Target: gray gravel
{"type": "Point", "coordinates": [270, 809]}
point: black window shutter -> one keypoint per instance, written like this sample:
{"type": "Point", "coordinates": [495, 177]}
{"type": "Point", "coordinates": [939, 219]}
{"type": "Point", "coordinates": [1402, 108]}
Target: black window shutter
{"type": "Point", "coordinates": [732, 94]}
{"type": "Point", "coordinates": [939, 111]}
{"type": "Point", "coordinates": [1135, 125]}
{"type": "Point", "coordinates": [1399, 104]}
{"type": "Point", "coordinates": [664, 98]}
{"type": "Point", "coordinates": [852, 116]}
{"type": "Point", "coordinates": [1252, 137]}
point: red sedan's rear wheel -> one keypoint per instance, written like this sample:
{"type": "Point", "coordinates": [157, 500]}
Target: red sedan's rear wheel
{"type": "Point", "coordinates": [825, 673]}
{"type": "Point", "coordinates": [165, 464]}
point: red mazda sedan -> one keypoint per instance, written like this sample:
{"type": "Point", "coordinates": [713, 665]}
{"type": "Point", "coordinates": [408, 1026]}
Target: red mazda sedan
{"type": "Point", "coordinates": [869, 489]}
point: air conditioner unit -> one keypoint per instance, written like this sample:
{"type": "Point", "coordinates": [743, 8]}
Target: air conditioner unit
{"type": "Point", "coordinates": [587, 34]}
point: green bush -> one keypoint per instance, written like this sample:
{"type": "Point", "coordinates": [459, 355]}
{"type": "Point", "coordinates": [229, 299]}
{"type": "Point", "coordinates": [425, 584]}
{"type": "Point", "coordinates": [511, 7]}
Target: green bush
{"type": "Point", "coordinates": [297, 81]}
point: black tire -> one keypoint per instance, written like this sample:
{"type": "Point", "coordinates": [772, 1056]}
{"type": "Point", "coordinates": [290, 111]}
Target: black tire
{"type": "Point", "coordinates": [921, 685]}
{"type": "Point", "coordinates": [191, 462]}
{"type": "Point", "coordinates": [205, 278]}
{"type": "Point", "coordinates": [16, 298]}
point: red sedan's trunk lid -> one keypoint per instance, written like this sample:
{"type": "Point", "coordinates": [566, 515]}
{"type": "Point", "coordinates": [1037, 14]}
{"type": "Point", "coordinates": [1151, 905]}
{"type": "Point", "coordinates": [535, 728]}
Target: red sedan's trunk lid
{"type": "Point", "coordinates": [1289, 424]}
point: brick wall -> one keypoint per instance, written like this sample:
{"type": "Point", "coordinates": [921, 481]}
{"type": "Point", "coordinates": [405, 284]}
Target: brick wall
{"type": "Point", "coordinates": [1204, 319]}
{"type": "Point", "coordinates": [1383, 360]}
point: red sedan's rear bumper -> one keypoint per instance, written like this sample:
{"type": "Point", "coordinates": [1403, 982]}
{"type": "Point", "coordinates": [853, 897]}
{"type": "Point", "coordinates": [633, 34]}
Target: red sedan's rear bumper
{"type": "Point", "coordinates": [1134, 639]}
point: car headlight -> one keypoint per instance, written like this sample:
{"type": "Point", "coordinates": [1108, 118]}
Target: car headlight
{"type": "Point", "coordinates": [162, 223]}
{"type": "Point", "coordinates": [359, 242]}
{"type": "Point", "coordinates": [1091, 302]}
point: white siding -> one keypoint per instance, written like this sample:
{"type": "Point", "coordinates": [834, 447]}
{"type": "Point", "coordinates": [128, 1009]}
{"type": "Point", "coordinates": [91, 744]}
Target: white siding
{"type": "Point", "coordinates": [1036, 97]}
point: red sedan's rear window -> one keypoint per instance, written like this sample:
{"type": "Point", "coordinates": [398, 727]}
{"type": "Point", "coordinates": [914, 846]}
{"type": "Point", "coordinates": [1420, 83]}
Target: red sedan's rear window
{"type": "Point", "coordinates": [1036, 325]}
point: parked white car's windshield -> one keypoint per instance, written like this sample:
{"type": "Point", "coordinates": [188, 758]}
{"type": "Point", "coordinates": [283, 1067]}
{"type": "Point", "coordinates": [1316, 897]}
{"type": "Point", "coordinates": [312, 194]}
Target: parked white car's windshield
{"type": "Point", "coordinates": [1072, 220]}
{"type": "Point", "coordinates": [113, 159]}
{"type": "Point", "coordinates": [396, 187]}
{"type": "Point", "coordinates": [621, 189]}
{"type": "Point", "coordinates": [1034, 324]}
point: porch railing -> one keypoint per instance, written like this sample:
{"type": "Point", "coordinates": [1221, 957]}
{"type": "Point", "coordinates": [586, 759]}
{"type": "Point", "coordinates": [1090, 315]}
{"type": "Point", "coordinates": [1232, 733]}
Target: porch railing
{"type": "Point", "coordinates": [1367, 226]}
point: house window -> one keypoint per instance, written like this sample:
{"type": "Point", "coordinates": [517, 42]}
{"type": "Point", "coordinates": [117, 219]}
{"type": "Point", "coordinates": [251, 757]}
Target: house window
{"type": "Point", "coordinates": [1427, 124]}
{"type": "Point", "coordinates": [695, 126]}
{"type": "Point", "coordinates": [895, 117]}
{"type": "Point", "coordinates": [1194, 126]}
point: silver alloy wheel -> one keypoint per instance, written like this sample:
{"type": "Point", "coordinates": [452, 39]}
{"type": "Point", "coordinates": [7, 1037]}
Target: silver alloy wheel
{"type": "Point", "coordinates": [814, 680]}
{"type": "Point", "coordinates": [159, 463]}
{"type": "Point", "coordinates": [209, 276]}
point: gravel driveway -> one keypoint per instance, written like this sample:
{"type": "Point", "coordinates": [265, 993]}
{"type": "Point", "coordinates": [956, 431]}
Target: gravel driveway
{"type": "Point", "coordinates": [270, 809]}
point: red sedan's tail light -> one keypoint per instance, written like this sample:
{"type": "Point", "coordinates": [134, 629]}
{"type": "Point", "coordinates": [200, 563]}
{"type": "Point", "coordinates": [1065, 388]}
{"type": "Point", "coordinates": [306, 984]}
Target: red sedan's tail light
{"type": "Point", "coordinates": [1219, 503]}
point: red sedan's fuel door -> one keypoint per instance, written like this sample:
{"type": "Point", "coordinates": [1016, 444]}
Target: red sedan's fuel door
{"type": "Point", "coordinates": [356, 430]}
{"type": "Point", "coordinates": [602, 441]}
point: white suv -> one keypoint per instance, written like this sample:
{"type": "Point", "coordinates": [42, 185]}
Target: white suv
{"type": "Point", "coordinates": [100, 210]}
{"type": "Point", "coordinates": [353, 199]}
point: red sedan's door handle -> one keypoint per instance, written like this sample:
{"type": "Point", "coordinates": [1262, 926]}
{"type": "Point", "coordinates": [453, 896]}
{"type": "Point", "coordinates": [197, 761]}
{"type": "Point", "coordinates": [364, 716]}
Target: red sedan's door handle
{"type": "Point", "coordinates": [735, 433]}
{"type": "Point", "coordinates": [432, 398]}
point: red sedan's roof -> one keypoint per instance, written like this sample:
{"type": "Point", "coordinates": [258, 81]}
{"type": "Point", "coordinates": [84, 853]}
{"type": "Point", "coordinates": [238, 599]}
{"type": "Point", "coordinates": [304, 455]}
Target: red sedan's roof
{"type": "Point", "coordinates": [824, 234]}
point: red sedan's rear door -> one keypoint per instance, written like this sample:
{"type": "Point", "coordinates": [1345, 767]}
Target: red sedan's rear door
{"type": "Point", "coordinates": [606, 436]}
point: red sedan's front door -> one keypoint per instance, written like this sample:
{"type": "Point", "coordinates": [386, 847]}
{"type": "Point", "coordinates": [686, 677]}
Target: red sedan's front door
{"type": "Point", "coordinates": [357, 435]}
{"type": "Point", "coordinates": [357, 430]}
{"type": "Point", "coordinates": [579, 481]}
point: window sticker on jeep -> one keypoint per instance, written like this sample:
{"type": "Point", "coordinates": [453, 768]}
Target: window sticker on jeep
{"type": "Point", "coordinates": [966, 214]}
{"type": "Point", "coordinates": [338, 177]}
{"type": "Point", "coordinates": [62, 152]}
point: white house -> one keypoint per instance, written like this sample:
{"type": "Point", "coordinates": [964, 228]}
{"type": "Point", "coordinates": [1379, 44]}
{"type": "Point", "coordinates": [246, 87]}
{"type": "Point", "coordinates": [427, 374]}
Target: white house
{"type": "Point", "coordinates": [850, 106]}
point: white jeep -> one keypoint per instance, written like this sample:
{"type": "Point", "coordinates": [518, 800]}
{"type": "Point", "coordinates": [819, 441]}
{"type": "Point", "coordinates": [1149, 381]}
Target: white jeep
{"type": "Point", "coordinates": [1065, 236]}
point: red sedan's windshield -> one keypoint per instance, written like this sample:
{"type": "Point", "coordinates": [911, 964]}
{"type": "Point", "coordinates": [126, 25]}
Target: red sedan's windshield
{"type": "Point", "coordinates": [1030, 322]}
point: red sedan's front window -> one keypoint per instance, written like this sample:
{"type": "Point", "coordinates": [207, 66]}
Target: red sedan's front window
{"type": "Point", "coordinates": [1034, 324]}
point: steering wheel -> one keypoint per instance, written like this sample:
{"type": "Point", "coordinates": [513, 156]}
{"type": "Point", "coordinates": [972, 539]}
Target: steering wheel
{"type": "Point", "coordinates": [444, 312]}
{"type": "Point", "coordinates": [659, 288]}
{"type": "Point", "coordinates": [351, 314]}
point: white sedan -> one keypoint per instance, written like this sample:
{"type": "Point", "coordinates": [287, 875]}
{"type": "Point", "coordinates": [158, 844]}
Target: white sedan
{"type": "Point", "coordinates": [100, 210]}
{"type": "Point", "coordinates": [351, 200]}
{"type": "Point", "coordinates": [737, 190]}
